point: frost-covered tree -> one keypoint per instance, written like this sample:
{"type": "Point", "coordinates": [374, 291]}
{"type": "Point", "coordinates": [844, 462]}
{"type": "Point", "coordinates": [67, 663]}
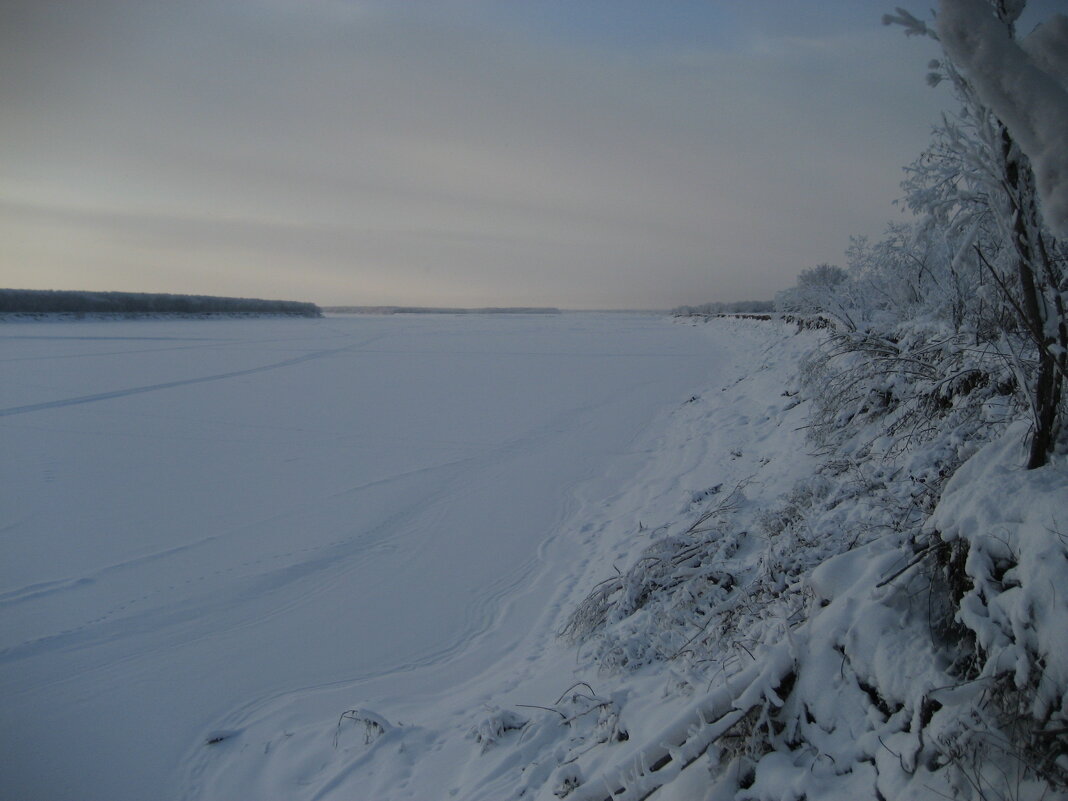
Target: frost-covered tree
{"type": "Point", "coordinates": [1029, 97]}
{"type": "Point", "coordinates": [982, 256]}
{"type": "Point", "coordinates": [977, 186]}
{"type": "Point", "coordinates": [1024, 83]}
{"type": "Point", "coordinates": [822, 289]}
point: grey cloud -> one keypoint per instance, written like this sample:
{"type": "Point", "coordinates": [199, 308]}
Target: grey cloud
{"type": "Point", "coordinates": [353, 140]}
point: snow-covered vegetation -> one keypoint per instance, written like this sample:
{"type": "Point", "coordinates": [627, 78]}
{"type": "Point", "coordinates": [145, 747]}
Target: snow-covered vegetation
{"type": "Point", "coordinates": [723, 307]}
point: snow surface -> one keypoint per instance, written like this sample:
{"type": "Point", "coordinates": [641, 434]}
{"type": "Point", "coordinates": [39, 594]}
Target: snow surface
{"type": "Point", "coordinates": [483, 558]}
{"type": "Point", "coordinates": [220, 537]}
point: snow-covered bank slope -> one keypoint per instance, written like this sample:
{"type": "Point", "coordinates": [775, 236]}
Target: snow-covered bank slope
{"type": "Point", "coordinates": [750, 613]}
{"type": "Point", "coordinates": [471, 727]}
{"type": "Point", "coordinates": [892, 625]}
{"type": "Point", "coordinates": [206, 523]}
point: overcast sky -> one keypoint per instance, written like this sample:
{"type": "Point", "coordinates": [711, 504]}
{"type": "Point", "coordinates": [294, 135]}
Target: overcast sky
{"type": "Point", "coordinates": [573, 153]}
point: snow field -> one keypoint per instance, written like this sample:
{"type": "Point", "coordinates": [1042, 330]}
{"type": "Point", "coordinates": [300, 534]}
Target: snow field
{"type": "Point", "coordinates": [588, 557]}
{"type": "Point", "coordinates": [235, 531]}
{"type": "Point", "coordinates": [478, 728]}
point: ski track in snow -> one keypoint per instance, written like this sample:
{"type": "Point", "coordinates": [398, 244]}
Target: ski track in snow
{"type": "Point", "coordinates": [121, 393]}
{"type": "Point", "coordinates": [300, 563]}
{"type": "Point", "coordinates": [261, 582]}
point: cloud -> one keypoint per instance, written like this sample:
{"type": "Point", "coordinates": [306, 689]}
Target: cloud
{"type": "Point", "coordinates": [402, 156]}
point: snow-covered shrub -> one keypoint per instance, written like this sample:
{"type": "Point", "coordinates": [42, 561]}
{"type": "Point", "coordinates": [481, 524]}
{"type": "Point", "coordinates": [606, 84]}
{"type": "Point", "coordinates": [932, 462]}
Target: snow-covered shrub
{"type": "Point", "coordinates": [823, 289]}
{"type": "Point", "coordinates": [1010, 524]}
{"type": "Point", "coordinates": [565, 779]}
{"type": "Point", "coordinates": [791, 513]}
{"type": "Point", "coordinates": [679, 583]}
{"type": "Point", "coordinates": [493, 728]}
{"type": "Point", "coordinates": [373, 725]}
{"type": "Point", "coordinates": [915, 383]}
{"type": "Point", "coordinates": [554, 737]}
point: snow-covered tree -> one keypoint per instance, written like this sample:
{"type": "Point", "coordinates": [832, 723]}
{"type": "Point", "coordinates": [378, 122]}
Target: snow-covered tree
{"type": "Point", "coordinates": [1024, 83]}
{"type": "Point", "coordinates": [1029, 98]}
{"type": "Point", "coordinates": [977, 185]}
{"type": "Point", "coordinates": [820, 290]}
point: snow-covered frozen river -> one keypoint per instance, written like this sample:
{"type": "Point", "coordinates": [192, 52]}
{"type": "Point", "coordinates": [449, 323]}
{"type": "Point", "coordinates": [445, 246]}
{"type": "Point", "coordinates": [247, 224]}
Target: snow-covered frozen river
{"type": "Point", "coordinates": [199, 516]}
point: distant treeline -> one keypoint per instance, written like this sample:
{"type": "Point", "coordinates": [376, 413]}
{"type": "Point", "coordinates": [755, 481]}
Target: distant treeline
{"type": "Point", "coordinates": [738, 307]}
{"type": "Point", "coordinates": [435, 310]}
{"type": "Point", "coordinates": [49, 301]}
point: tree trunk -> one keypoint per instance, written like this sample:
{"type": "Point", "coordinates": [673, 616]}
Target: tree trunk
{"type": "Point", "coordinates": [1030, 249]}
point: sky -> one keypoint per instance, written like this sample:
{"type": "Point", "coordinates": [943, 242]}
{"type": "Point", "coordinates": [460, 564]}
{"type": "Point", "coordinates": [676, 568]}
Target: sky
{"type": "Point", "coordinates": [570, 153]}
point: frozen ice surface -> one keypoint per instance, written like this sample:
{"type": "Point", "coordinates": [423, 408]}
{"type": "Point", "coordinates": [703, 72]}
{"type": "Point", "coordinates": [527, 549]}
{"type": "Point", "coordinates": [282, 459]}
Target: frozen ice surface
{"type": "Point", "coordinates": [213, 525]}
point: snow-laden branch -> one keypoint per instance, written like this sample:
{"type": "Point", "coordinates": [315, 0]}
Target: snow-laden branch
{"type": "Point", "coordinates": [644, 771]}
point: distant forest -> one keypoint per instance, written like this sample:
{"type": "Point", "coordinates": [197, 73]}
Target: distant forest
{"type": "Point", "coordinates": [49, 301]}
{"type": "Point", "coordinates": [437, 310]}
